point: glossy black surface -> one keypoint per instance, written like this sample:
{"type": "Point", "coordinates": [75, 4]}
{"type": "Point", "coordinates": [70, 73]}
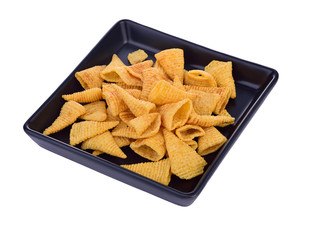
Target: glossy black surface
{"type": "Point", "coordinates": [253, 83]}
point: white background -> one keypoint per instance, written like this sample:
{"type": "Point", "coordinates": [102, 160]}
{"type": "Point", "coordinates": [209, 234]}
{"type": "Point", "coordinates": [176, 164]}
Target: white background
{"type": "Point", "coordinates": [260, 190]}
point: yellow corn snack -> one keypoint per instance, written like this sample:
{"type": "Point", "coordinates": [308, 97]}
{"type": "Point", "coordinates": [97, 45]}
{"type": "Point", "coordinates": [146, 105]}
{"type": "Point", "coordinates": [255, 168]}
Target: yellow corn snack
{"type": "Point", "coordinates": [86, 96]}
{"type": "Point", "coordinates": [199, 78]}
{"type": "Point", "coordinates": [137, 56]}
{"type": "Point", "coordinates": [163, 93]}
{"type": "Point", "coordinates": [109, 73]}
{"type": "Point", "coordinates": [222, 72]}
{"type": "Point", "coordinates": [185, 162]}
{"type": "Point", "coordinates": [209, 121]}
{"type": "Point", "coordinates": [174, 115]}
{"type": "Point", "coordinates": [137, 107]}
{"type": "Point", "coordinates": [189, 132]}
{"type": "Point", "coordinates": [143, 122]}
{"type": "Point", "coordinates": [69, 112]}
{"type": "Point", "coordinates": [205, 103]}
{"type": "Point", "coordinates": [152, 148]}
{"type": "Point", "coordinates": [149, 77]}
{"type": "Point", "coordinates": [158, 171]}
{"type": "Point", "coordinates": [211, 141]}
{"type": "Point", "coordinates": [172, 62]}
{"type": "Point", "coordinates": [95, 111]}
{"type": "Point", "coordinates": [105, 143]}
{"type": "Point", "coordinates": [137, 69]}
{"type": "Point", "coordinates": [90, 77]}
{"type": "Point", "coordinates": [86, 129]}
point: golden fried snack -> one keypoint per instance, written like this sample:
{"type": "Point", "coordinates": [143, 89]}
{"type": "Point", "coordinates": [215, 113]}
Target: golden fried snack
{"type": "Point", "coordinates": [222, 72]}
{"type": "Point", "coordinates": [178, 83]}
{"type": "Point", "coordinates": [114, 101]}
{"type": "Point", "coordinates": [152, 148]}
{"type": "Point", "coordinates": [224, 113]}
{"type": "Point", "coordinates": [149, 77]}
{"type": "Point", "coordinates": [109, 73]}
{"type": "Point", "coordinates": [204, 103]}
{"type": "Point", "coordinates": [104, 143]}
{"type": "Point", "coordinates": [172, 61]}
{"type": "Point", "coordinates": [209, 121]}
{"type": "Point", "coordinates": [90, 77]}
{"type": "Point", "coordinates": [158, 171]}
{"type": "Point", "coordinates": [111, 117]}
{"type": "Point", "coordinates": [137, 56]}
{"type": "Point", "coordinates": [122, 141]}
{"type": "Point", "coordinates": [162, 72]}
{"type": "Point", "coordinates": [122, 130]}
{"type": "Point", "coordinates": [137, 107]}
{"type": "Point", "coordinates": [163, 93]}
{"type": "Point", "coordinates": [86, 96]}
{"type": "Point", "coordinates": [69, 112]}
{"type": "Point", "coordinates": [137, 69]}
{"type": "Point", "coordinates": [199, 78]}
{"type": "Point", "coordinates": [224, 93]}
{"type": "Point", "coordinates": [192, 143]}
{"type": "Point", "coordinates": [185, 162]}
{"type": "Point", "coordinates": [143, 122]}
{"type": "Point", "coordinates": [123, 85]}
{"type": "Point", "coordinates": [95, 111]}
{"type": "Point", "coordinates": [189, 132]}
{"type": "Point", "coordinates": [174, 115]}
{"type": "Point", "coordinates": [126, 77]}
{"type": "Point", "coordinates": [86, 129]}
{"type": "Point", "coordinates": [211, 141]}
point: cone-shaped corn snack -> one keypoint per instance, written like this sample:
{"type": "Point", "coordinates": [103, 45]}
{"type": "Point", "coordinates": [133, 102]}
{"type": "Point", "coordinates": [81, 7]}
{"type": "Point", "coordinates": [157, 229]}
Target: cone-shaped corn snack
{"type": "Point", "coordinates": [109, 73]}
{"type": "Point", "coordinates": [86, 96]}
{"type": "Point", "coordinates": [149, 77]}
{"type": "Point", "coordinates": [189, 132]}
{"type": "Point", "coordinates": [137, 56]}
{"type": "Point", "coordinates": [174, 115]}
{"type": "Point", "coordinates": [204, 103]}
{"type": "Point", "coordinates": [209, 121]}
{"type": "Point", "coordinates": [122, 130]}
{"type": "Point", "coordinates": [192, 143]}
{"type": "Point", "coordinates": [122, 141]}
{"type": "Point", "coordinates": [224, 93]}
{"type": "Point", "coordinates": [143, 122]}
{"type": "Point", "coordinates": [105, 143]}
{"type": "Point", "coordinates": [152, 148]}
{"type": "Point", "coordinates": [69, 112]}
{"type": "Point", "coordinates": [162, 72]}
{"type": "Point", "coordinates": [114, 101]}
{"type": "Point", "coordinates": [163, 93]}
{"type": "Point", "coordinates": [137, 107]}
{"type": "Point", "coordinates": [87, 129]}
{"type": "Point", "coordinates": [178, 84]}
{"type": "Point", "coordinates": [158, 171]}
{"type": "Point", "coordinates": [222, 72]}
{"type": "Point", "coordinates": [95, 111]}
{"type": "Point", "coordinates": [124, 85]}
{"type": "Point", "coordinates": [172, 61]}
{"type": "Point", "coordinates": [199, 78]}
{"type": "Point", "coordinates": [111, 117]}
{"type": "Point", "coordinates": [137, 69]}
{"type": "Point", "coordinates": [211, 141]}
{"type": "Point", "coordinates": [126, 77]}
{"type": "Point", "coordinates": [90, 77]}
{"type": "Point", "coordinates": [185, 162]}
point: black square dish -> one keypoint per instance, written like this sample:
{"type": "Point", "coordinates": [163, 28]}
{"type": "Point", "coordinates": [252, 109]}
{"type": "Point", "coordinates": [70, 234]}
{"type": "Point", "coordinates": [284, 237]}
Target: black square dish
{"type": "Point", "coordinates": [253, 84]}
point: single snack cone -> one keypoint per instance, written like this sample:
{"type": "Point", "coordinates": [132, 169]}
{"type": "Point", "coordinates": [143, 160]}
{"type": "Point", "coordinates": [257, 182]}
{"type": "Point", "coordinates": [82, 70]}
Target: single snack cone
{"type": "Point", "coordinates": [205, 103]}
{"type": "Point", "coordinates": [209, 121]}
{"type": "Point", "coordinates": [90, 77]}
{"type": "Point", "coordinates": [69, 112]}
{"type": "Point", "coordinates": [199, 78]}
{"type": "Point", "coordinates": [104, 143]}
{"type": "Point", "coordinates": [95, 111]}
{"type": "Point", "coordinates": [222, 72]}
{"type": "Point", "coordinates": [211, 141]}
{"type": "Point", "coordinates": [109, 73]}
{"type": "Point", "coordinates": [172, 61]}
{"type": "Point", "coordinates": [152, 148]}
{"type": "Point", "coordinates": [185, 162]}
{"type": "Point", "coordinates": [174, 115]}
{"type": "Point", "coordinates": [83, 130]}
{"type": "Point", "coordinates": [158, 171]}
{"type": "Point", "coordinates": [137, 107]}
{"type": "Point", "coordinates": [86, 96]}
{"type": "Point", "coordinates": [189, 132]}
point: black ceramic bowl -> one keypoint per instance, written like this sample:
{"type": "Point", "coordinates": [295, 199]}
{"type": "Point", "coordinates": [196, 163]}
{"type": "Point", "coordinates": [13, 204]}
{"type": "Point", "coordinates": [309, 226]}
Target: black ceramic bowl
{"type": "Point", "coordinates": [253, 84]}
